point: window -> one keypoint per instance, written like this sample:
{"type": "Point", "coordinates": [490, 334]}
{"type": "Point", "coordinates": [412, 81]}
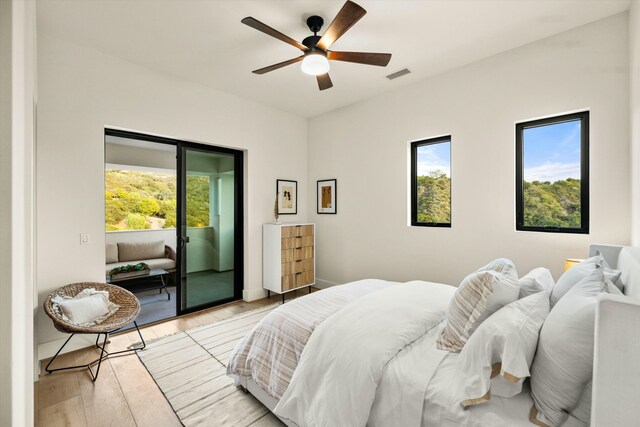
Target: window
{"type": "Point", "coordinates": [431, 182]}
{"type": "Point", "coordinates": [552, 174]}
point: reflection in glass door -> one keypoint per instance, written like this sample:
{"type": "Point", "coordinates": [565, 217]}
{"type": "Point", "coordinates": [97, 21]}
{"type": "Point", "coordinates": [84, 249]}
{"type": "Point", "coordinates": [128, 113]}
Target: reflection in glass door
{"type": "Point", "coordinates": [209, 232]}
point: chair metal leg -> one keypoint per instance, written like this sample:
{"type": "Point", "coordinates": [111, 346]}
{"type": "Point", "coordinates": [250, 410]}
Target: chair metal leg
{"type": "Point", "coordinates": [104, 354]}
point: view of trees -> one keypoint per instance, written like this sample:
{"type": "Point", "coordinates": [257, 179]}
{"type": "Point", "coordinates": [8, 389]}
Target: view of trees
{"type": "Point", "coordinates": [552, 204]}
{"type": "Point", "coordinates": [147, 200]}
{"type": "Point", "coordinates": [434, 198]}
{"type": "Point", "coordinates": [546, 204]}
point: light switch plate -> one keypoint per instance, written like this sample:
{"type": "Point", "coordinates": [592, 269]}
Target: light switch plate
{"type": "Point", "coordinates": [84, 239]}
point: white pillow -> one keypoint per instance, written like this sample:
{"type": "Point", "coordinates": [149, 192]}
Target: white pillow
{"type": "Point", "coordinates": [480, 294]}
{"type": "Point", "coordinates": [497, 357]}
{"type": "Point", "coordinates": [578, 272]}
{"type": "Point", "coordinates": [537, 280]}
{"type": "Point", "coordinates": [85, 309]}
{"type": "Point", "coordinates": [563, 363]}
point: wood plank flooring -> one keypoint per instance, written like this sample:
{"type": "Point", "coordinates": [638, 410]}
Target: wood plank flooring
{"type": "Point", "coordinates": [124, 394]}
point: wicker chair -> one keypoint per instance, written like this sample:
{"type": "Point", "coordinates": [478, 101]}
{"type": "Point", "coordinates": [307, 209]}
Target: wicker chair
{"type": "Point", "coordinates": [127, 313]}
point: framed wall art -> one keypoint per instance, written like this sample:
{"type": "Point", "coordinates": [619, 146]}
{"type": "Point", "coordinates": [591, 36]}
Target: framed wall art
{"type": "Point", "coordinates": [327, 196]}
{"type": "Point", "coordinates": [287, 196]}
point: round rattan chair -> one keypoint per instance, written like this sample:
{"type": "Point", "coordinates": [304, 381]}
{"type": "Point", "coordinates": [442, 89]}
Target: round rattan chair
{"type": "Point", "coordinates": [126, 314]}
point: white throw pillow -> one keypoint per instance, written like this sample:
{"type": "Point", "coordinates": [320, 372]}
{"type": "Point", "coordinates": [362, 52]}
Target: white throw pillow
{"type": "Point", "coordinates": [480, 294]}
{"type": "Point", "coordinates": [85, 309]}
{"type": "Point", "coordinates": [578, 272]}
{"type": "Point", "coordinates": [497, 357]}
{"type": "Point", "coordinates": [537, 280]}
{"type": "Point", "coordinates": [563, 363]}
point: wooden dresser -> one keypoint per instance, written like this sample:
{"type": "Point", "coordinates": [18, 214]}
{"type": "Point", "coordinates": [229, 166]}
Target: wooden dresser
{"type": "Point", "coordinates": [289, 259]}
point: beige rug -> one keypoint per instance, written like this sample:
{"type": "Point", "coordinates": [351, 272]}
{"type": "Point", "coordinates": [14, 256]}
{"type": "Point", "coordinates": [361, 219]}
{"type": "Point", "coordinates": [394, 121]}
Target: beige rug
{"type": "Point", "coordinates": [190, 369]}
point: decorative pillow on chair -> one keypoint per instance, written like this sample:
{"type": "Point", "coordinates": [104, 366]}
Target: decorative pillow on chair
{"type": "Point", "coordinates": [537, 280]}
{"type": "Point", "coordinates": [89, 307]}
{"type": "Point", "coordinates": [480, 294]}
{"type": "Point", "coordinates": [497, 357]}
{"type": "Point", "coordinates": [563, 365]}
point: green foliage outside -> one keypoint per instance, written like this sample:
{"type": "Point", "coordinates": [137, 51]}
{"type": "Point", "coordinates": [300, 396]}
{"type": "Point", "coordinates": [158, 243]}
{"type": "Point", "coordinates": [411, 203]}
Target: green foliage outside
{"type": "Point", "coordinates": [546, 204]}
{"type": "Point", "coordinates": [147, 200]}
{"type": "Point", "coordinates": [434, 198]}
{"type": "Point", "coordinates": [554, 204]}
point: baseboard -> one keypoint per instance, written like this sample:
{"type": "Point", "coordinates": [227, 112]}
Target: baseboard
{"type": "Point", "coordinates": [253, 294]}
{"type": "Point", "coordinates": [323, 284]}
{"type": "Point", "coordinates": [48, 349]}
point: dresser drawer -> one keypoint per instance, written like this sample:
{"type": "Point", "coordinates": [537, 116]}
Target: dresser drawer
{"type": "Point", "coordinates": [304, 278]}
{"type": "Point", "coordinates": [305, 252]}
{"type": "Point", "coordinates": [288, 282]}
{"type": "Point", "coordinates": [296, 242]}
{"type": "Point", "coordinates": [304, 230]}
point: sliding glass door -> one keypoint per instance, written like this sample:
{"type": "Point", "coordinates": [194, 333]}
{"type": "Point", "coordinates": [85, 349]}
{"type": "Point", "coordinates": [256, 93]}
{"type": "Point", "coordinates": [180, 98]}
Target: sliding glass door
{"type": "Point", "coordinates": [209, 233]}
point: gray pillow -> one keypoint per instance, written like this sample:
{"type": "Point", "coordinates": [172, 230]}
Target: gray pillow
{"type": "Point", "coordinates": [578, 272]}
{"type": "Point", "coordinates": [111, 253]}
{"type": "Point", "coordinates": [563, 364]}
{"type": "Point", "coordinates": [537, 280]}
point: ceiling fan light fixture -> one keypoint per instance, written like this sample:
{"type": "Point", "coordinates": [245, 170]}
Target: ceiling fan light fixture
{"type": "Point", "coordinates": [315, 64]}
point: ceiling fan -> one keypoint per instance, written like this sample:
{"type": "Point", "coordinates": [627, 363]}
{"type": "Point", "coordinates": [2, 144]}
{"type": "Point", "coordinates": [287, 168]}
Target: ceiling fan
{"type": "Point", "coordinates": [316, 56]}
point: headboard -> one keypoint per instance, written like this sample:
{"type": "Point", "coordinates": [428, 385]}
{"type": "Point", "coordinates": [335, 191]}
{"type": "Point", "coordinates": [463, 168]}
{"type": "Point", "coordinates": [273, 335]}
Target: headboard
{"type": "Point", "coordinates": [616, 362]}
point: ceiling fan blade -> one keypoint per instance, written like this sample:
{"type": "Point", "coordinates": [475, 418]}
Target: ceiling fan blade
{"type": "Point", "coordinates": [254, 23]}
{"type": "Point", "coordinates": [278, 65]}
{"type": "Point", "coordinates": [324, 81]}
{"type": "Point", "coordinates": [368, 58]}
{"type": "Point", "coordinates": [345, 19]}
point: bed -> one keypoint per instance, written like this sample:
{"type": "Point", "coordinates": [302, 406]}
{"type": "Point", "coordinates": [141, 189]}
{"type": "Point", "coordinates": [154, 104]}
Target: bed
{"type": "Point", "coordinates": [411, 384]}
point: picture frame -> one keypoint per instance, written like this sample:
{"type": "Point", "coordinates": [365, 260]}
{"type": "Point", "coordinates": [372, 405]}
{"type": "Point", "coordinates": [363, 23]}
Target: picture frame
{"type": "Point", "coordinates": [287, 193]}
{"type": "Point", "coordinates": [327, 196]}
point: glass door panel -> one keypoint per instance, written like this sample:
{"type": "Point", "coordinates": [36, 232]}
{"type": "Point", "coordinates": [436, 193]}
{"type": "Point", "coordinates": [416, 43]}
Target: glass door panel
{"type": "Point", "coordinates": [208, 228]}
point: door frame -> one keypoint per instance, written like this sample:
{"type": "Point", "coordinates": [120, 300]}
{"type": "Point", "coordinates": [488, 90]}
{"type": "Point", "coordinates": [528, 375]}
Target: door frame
{"type": "Point", "coordinates": [238, 175]}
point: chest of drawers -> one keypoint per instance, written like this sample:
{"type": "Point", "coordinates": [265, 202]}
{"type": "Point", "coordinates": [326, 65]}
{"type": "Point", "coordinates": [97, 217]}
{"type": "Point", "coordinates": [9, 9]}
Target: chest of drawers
{"type": "Point", "coordinates": [289, 260]}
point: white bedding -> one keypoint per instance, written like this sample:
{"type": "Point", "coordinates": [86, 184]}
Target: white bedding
{"type": "Point", "coordinates": [442, 404]}
{"type": "Point", "coordinates": [341, 370]}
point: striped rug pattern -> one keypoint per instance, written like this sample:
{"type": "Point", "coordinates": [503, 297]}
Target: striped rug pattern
{"type": "Point", "coordinates": [190, 369]}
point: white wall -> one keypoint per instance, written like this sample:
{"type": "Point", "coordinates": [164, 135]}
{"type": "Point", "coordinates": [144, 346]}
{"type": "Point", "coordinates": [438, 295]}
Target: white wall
{"type": "Point", "coordinates": [634, 71]}
{"type": "Point", "coordinates": [365, 146]}
{"type": "Point", "coordinates": [81, 91]}
{"type": "Point", "coordinates": [17, 98]}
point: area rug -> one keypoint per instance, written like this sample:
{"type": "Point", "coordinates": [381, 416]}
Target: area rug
{"type": "Point", "coordinates": [190, 369]}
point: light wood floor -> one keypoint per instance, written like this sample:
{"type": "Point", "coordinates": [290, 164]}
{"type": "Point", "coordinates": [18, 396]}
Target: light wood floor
{"type": "Point", "coordinates": [124, 393]}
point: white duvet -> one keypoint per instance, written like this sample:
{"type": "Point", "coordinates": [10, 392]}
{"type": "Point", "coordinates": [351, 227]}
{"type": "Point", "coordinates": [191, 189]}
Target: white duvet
{"type": "Point", "coordinates": [371, 362]}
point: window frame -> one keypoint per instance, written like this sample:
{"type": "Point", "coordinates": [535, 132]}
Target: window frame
{"type": "Point", "coordinates": [583, 116]}
{"type": "Point", "coordinates": [414, 181]}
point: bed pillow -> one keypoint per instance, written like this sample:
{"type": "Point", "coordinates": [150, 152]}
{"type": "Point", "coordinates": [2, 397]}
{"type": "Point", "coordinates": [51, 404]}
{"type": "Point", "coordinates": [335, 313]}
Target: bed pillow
{"type": "Point", "coordinates": [537, 280]}
{"type": "Point", "coordinates": [563, 364]}
{"type": "Point", "coordinates": [480, 294]}
{"type": "Point", "coordinates": [578, 272]}
{"type": "Point", "coordinates": [497, 357]}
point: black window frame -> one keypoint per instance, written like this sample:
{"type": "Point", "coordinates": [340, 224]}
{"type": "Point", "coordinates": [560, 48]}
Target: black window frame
{"type": "Point", "coordinates": [583, 116]}
{"type": "Point", "coordinates": [414, 181]}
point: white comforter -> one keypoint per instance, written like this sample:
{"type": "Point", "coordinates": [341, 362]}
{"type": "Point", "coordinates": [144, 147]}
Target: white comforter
{"type": "Point", "coordinates": [349, 371]}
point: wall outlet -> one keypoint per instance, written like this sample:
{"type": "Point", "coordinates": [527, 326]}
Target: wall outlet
{"type": "Point", "coordinates": [84, 239]}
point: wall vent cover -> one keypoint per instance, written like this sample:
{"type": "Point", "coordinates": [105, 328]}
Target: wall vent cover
{"type": "Point", "coordinates": [400, 73]}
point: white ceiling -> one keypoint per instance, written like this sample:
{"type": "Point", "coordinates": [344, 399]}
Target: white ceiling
{"type": "Point", "coordinates": [204, 41]}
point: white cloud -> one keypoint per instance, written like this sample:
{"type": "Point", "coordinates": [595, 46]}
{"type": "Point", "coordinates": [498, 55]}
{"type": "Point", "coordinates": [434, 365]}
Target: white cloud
{"type": "Point", "coordinates": [429, 161]}
{"type": "Point", "coordinates": [552, 172]}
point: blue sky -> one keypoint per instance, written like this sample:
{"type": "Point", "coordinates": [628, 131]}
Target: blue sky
{"type": "Point", "coordinates": [552, 152]}
{"type": "Point", "coordinates": [434, 157]}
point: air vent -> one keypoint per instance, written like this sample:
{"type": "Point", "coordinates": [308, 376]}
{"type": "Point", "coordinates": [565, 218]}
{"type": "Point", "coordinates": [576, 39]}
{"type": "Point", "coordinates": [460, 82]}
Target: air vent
{"type": "Point", "coordinates": [400, 73]}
